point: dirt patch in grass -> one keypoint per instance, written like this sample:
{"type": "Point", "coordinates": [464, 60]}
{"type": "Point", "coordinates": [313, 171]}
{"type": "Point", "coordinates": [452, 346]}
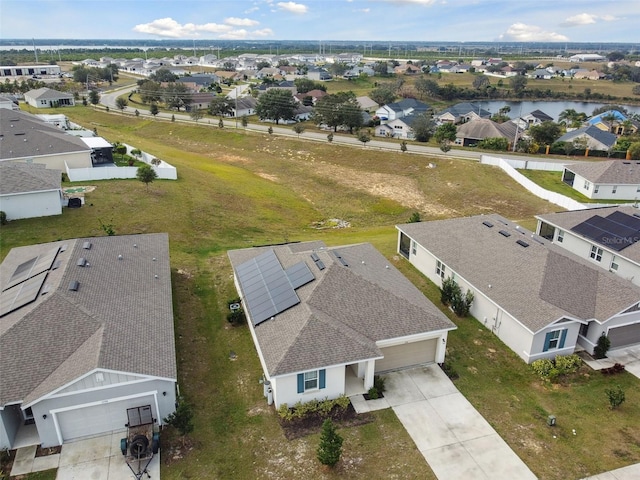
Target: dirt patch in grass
{"type": "Point", "coordinates": [310, 424]}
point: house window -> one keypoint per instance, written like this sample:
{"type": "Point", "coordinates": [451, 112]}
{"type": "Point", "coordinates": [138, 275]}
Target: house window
{"type": "Point", "coordinates": [596, 188]}
{"type": "Point", "coordinates": [554, 340]}
{"type": "Point", "coordinates": [560, 236]}
{"type": "Point", "coordinates": [414, 248]}
{"type": "Point", "coordinates": [313, 380]}
{"type": "Point", "coordinates": [596, 253]}
{"type": "Point", "coordinates": [638, 189]}
{"type": "Point", "coordinates": [440, 269]}
{"type": "Point", "coordinates": [586, 185]}
{"type": "Point", "coordinates": [614, 265]}
{"type": "Point", "coordinates": [614, 189]}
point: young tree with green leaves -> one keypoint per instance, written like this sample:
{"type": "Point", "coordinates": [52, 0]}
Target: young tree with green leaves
{"type": "Point", "coordinates": [146, 174]}
{"type": "Point", "coordinates": [330, 447]}
{"type": "Point", "coordinates": [196, 114]}
{"type": "Point", "coordinates": [364, 137]}
{"type": "Point", "coordinates": [154, 110]}
{"type": "Point", "coordinates": [446, 131]}
{"type": "Point", "coordinates": [94, 97]}
{"type": "Point", "coordinates": [298, 128]}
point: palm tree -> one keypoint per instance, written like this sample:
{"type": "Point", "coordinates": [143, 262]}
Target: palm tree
{"type": "Point", "coordinates": [609, 117]}
{"type": "Point", "coordinates": [571, 118]}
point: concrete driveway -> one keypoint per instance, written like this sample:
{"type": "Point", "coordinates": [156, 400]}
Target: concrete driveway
{"type": "Point", "coordinates": [629, 357]}
{"type": "Point", "coordinates": [453, 437]}
{"type": "Point", "coordinates": [99, 458]}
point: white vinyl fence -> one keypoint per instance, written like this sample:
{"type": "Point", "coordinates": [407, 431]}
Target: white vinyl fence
{"type": "Point", "coordinates": [164, 170]}
{"type": "Point", "coordinates": [538, 191]}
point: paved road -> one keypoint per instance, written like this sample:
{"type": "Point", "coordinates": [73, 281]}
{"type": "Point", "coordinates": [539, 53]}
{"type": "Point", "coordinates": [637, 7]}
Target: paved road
{"type": "Point", "coordinates": [109, 99]}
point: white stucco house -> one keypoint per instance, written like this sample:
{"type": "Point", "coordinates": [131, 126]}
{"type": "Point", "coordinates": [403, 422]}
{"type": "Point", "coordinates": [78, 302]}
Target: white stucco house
{"type": "Point", "coordinates": [325, 320]}
{"type": "Point", "coordinates": [403, 108]}
{"type": "Point", "coordinates": [607, 236]}
{"type": "Point", "coordinates": [605, 179]}
{"type": "Point", "coordinates": [539, 299]}
{"type": "Point", "coordinates": [86, 331]}
{"type": "Point", "coordinates": [27, 138]}
{"type": "Point", "coordinates": [29, 190]}
{"type": "Point", "coordinates": [47, 98]}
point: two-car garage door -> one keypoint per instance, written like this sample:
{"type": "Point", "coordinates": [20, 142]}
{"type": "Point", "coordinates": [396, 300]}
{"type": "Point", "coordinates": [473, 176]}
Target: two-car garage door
{"type": "Point", "coordinates": [100, 418]}
{"type": "Point", "coordinates": [622, 336]}
{"type": "Point", "coordinates": [407, 354]}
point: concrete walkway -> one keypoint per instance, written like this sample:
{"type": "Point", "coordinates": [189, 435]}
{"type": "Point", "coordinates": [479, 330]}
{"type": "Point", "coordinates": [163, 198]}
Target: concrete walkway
{"type": "Point", "coordinates": [453, 437]}
{"type": "Point", "coordinates": [97, 458]}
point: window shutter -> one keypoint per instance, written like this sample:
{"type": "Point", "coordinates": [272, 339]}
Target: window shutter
{"type": "Point", "coordinates": [323, 378]}
{"type": "Point", "coordinates": [301, 383]}
{"type": "Point", "coordinates": [563, 337]}
{"type": "Point", "coordinates": [547, 339]}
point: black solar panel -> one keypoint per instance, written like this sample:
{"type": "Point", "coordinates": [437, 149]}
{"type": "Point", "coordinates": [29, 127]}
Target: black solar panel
{"type": "Point", "coordinates": [32, 267]}
{"type": "Point", "coordinates": [504, 233]}
{"type": "Point", "coordinates": [320, 264]}
{"type": "Point", "coordinates": [487, 224]}
{"type": "Point", "coordinates": [616, 231]}
{"type": "Point", "coordinates": [522, 243]}
{"type": "Point", "coordinates": [266, 286]}
{"type": "Point", "coordinates": [21, 294]}
{"type": "Point", "coordinates": [299, 275]}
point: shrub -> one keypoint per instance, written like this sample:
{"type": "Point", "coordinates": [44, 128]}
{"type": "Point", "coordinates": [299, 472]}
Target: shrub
{"type": "Point", "coordinates": [378, 383]}
{"type": "Point", "coordinates": [549, 370]}
{"type": "Point", "coordinates": [182, 418]}
{"type": "Point", "coordinates": [447, 291]}
{"type": "Point", "coordinates": [330, 447]}
{"type": "Point", "coordinates": [568, 363]}
{"type": "Point", "coordinates": [3, 218]}
{"type": "Point", "coordinates": [449, 371]}
{"type": "Point", "coordinates": [285, 412]}
{"type": "Point", "coordinates": [373, 393]}
{"type": "Point", "coordinates": [330, 137]}
{"type": "Point", "coordinates": [542, 367]}
{"type": "Point", "coordinates": [415, 217]}
{"type": "Point", "coordinates": [461, 304]}
{"type": "Point", "coordinates": [602, 347]}
{"type": "Point", "coordinates": [616, 396]}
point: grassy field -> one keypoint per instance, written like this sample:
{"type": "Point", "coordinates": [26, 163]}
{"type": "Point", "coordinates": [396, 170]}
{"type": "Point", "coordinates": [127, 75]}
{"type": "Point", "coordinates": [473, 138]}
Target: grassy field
{"type": "Point", "coordinates": [237, 189]}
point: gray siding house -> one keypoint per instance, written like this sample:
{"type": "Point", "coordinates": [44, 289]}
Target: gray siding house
{"type": "Point", "coordinates": [86, 331]}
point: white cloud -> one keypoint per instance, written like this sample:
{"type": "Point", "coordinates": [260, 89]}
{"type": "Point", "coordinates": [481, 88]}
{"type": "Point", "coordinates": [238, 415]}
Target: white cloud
{"type": "Point", "coordinates": [363, 10]}
{"type": "Point", "coordinates": [265, 32]}
{"type": "Point", "coordinates": [586, 19]}
{"type": "Point", "coordinates": [293, 7]}
{"type": "Point", "coordinates": [581, 19]}
{"type": "Point", "coordinates": [241, 22]}
{"type": "Point", "coordinates": [520, 32]}
{"type": "Point", "coordinates": [251, 10]}
{"type": "Point", "coordinates": [168, 27]}
{"type": "Point", "coordinates": [242, 34]}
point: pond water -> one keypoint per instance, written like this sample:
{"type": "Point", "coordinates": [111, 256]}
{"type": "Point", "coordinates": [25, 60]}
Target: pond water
{"type": "Point", "coordinates": [553, 109]}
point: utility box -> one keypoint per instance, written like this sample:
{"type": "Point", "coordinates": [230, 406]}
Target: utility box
{"type": "Point", "coordinates": [551, 420]}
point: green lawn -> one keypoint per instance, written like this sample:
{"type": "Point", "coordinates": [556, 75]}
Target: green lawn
{"type": "Point", "coordinates": [237, 189]}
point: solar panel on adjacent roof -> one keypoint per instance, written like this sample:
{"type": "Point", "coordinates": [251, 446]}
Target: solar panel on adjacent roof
{"type": "Point", "coordinates": [21, 294]}
{"type": "Point", "coordinates": [320, 264]}
{"type": "Point", "coordinates": [315, 257]}
{"type": "Point", "coordinates": [299, 275]}
{"type": "Point", "coordinates": [339, 257]}
{"type": "Point", "coordinates": [504, 233]}
{"type": "Point", "coordinates": [32, 267]}
{"type": "Point", "coordinates": [616, 231]}
{"type": "Point", "coordinates": [266, 287]}
{"type": "Point", "coordinates": [522, 243]}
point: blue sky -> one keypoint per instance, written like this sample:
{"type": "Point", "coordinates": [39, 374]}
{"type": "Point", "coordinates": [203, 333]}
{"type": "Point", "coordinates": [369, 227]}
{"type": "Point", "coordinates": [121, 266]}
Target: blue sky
{"type": "Point", "coordinates": [361, 20]}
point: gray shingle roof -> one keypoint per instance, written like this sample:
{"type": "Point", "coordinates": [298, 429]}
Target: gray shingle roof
{"type": "Point", "coordinates": [567, 220]}
{"type": "Point", "coordinates": [24, 135]}
{"type": "Point", "coordinates": [120, 318]}
{"type": "Point", "coordinates": [460, 109]}
{"type": "Point", "coordinates": [611, 172]}
{"type": "Point", "coordinates": [45, 93]}
{"type": "Point", "coordinates": [486, 128]}
{"type": "Point", "coordinates": [606, 138]}
{"type": "Point", "coordinates": [537, 285]}
{"type": "Point", "coordinates": [27, 177]}
{"type": "Point", "coordinates": [343, 312]}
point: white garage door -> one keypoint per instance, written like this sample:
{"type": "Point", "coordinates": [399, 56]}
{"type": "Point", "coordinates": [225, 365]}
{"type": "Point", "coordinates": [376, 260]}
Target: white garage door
{"type": "Point", "coordinates": [622, 336]}
{"type": "Point", "coordinates": [97, 419]}
{"type": "Point", "coordinates": [407, 355]}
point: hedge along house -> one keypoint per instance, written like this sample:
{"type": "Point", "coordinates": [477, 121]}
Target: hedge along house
{"type": "Point", "coordinates": [325, 320]}
{"type": "Point", "coordinates": [86, 331]}
{"type": "Point", "coordinates": [539, 299]}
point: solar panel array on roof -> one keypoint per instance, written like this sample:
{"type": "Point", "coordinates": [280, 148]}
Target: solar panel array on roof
{"type": "Point", "coordinates": [32, 267]}
{"type": "Point", "coordinates": [616, 231]}
{"type": "Point", "coordinates": [21, 294]}
{"type": "Point", "coordinates": [316, 259]}
{"type": "Point", "coordinates": [299, 275]}
{"type": "Point", "coordinates": [266, 287]}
